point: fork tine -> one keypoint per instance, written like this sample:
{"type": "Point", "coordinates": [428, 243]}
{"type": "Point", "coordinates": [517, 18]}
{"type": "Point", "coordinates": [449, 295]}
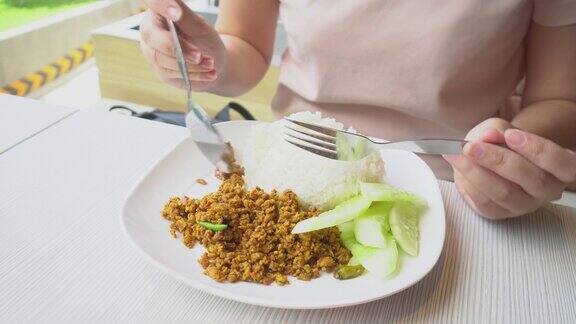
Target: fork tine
{"type": "Point", "coordinates": [312, 140]}
{"type": "Point", "coordinates": [312, 135]}
{"type": "Point", "coordinates": [329, 132]}
{"type": "Point", "coordinates": [314, 149]}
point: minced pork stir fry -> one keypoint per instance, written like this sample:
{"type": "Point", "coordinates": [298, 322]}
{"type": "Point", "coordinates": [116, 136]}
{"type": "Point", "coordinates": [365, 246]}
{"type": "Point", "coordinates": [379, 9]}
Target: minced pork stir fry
{"type": "Point", "coordinates": [247, 236]}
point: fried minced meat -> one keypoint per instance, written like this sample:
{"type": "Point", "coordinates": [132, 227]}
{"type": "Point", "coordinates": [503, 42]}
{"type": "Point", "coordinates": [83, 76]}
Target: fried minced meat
{"type": "Point", "coordinates": [257, 245]}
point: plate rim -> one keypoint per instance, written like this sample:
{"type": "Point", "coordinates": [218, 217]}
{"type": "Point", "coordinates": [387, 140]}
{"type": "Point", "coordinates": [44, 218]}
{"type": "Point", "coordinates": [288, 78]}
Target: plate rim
{"type": "Point", "coordinates": [215, 291]}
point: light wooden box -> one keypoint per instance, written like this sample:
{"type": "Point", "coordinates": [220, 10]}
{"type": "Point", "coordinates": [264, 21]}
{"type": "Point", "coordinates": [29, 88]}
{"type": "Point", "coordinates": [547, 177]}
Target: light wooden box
{"type": "Point", "coordinates": [125, 75]}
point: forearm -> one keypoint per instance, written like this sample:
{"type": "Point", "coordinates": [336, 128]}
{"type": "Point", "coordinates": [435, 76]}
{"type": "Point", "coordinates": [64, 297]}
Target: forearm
{"type": "Point", "coordinates": [552, 119]}
{"type": "Point", "coordinates": [245, 67]}
{"type": "Point", "coordinates": [549, 96]}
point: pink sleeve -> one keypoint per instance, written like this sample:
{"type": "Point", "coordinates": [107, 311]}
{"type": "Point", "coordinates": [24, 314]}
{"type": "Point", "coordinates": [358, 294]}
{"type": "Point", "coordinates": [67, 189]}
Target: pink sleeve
{"type": "Point", "coordinates": [555, 12]}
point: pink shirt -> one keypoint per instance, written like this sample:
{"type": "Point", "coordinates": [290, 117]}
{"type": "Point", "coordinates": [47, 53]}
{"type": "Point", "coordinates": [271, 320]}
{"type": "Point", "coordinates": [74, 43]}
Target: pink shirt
{"type": "Point", "coordinates": [404, 69]}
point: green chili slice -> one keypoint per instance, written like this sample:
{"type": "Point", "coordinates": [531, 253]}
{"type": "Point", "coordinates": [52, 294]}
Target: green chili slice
{"type": "Point", "coordinates": [348, 271]}
{"type": "Point", "coordinates": [212, 226]}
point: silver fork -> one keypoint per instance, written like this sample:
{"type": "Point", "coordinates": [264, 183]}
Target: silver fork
{"type": "Point", "coordinates": [337, 144]}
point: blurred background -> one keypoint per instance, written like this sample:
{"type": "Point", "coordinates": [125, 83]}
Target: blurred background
{"type": "Point", "coordinates": [85, 54]}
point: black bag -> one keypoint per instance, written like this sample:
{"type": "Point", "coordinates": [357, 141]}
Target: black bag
{"type": "Point", "coordinates": [177, 118]}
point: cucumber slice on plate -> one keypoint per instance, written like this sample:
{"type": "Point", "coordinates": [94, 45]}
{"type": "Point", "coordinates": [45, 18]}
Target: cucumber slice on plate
{"type": "Point", "coordinates": [371, 227]}
{"type": "Point", "coordinates": [380, 262]}
{"type": "Point", "coordinates": [384, 261]}
{"type": "Point", "coordinates": [384, 192]}
{"type": "Point", "coordinates": [342, 213]}
{"type": "Point", "coordinates": [353, 261]}
{"type": "Point", "coordinates": [368, 231]}
{"type": "Point", "coordinates": [381, 212]}
{"type": "Point", "coordinates": [347, 235]}
{"type": "Point", "coordinates": [404, 225]}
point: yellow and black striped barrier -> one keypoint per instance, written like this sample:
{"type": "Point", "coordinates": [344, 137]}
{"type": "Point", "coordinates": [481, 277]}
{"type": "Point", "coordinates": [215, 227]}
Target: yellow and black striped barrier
{"type": "Point", "coordinates": [50, 72]}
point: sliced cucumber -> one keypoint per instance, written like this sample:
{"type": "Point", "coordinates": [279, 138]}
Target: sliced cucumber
{"type": "Point", "coordinates": [367, 235]}
{"type": "Point", "coordinates": [384, 261]}
{"type": "Point", "coordinates": [350, 151]}
{"type": "Point", "coordinates": [343, 148]}
{"type": "Point", "coordinates": [344, 212]}
{"type": "Point", "coordinates": [347, 235]}
{"type": "Point", "coordinates": [404, 225]}
{"type": "Point", "coordinates": [353, 261]}
{"type": "Point", "coordinates": [381, 211]}
{"type": "Point", "coordinates": [380, 262]}
{"type": "Point", "coordinates": [360, 148]}
{"type": "Point", "coordinates": [384, 192]}
{"type": "Point", "coordinates": [368, 231]}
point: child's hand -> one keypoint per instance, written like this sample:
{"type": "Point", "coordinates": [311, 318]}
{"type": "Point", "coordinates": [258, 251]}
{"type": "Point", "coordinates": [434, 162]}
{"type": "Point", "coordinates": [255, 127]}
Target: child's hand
{"type": "Point", "coordinates": [501, 182]}
{"type": "Point", "coordinates": [201, 44]}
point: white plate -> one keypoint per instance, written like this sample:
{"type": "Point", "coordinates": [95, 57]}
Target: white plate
{"type": "Point", "coordinates": [176, 174]}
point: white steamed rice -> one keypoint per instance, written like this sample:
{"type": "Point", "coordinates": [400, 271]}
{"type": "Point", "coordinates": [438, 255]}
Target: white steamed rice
{"type": "Point", "coordinates": [271, 163]}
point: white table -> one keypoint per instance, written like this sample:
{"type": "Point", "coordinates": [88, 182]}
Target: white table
{"type": "Point", "coordinates": [63, 257]}
{"type": "Point", "coordinates": [22, 118]}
